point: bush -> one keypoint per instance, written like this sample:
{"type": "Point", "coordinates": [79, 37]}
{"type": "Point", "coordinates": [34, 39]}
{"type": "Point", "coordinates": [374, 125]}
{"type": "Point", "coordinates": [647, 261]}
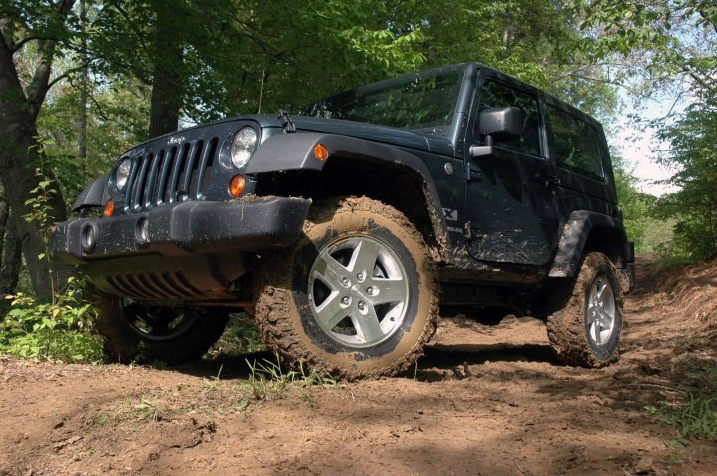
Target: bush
{"type": "Point", "coordinates": [60, 330]}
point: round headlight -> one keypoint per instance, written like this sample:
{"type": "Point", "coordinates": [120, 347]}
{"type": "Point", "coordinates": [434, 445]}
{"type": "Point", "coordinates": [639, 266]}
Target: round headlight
{"type": "Point", "coordinates": [122, 174]}
{"type": "Point", "coordinates": [243, 145]}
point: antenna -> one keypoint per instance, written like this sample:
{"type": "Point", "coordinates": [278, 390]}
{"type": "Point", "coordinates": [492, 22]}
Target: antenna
{"type": "Point", "coordinates": [261, 91]}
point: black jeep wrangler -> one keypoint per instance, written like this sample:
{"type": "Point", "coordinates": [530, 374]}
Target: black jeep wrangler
{"type": "Point", "coordinates": [345, 228]}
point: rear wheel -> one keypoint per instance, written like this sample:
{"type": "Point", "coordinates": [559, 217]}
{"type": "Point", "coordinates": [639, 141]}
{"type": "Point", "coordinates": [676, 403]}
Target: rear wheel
{"type": "Point", "coordinates": [356, 296]}
{"type": "Point", "coordinates": [586, 331]}
{"type": "Point", "coordinates": [171, 335]}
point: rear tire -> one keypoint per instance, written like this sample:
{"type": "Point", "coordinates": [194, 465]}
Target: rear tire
{"type": "Point", "coordinates": [586, 330]}
{"type": "Point", "coordinates": [355, 296]}
{"type": "Point", "coordinates": [134, 332]}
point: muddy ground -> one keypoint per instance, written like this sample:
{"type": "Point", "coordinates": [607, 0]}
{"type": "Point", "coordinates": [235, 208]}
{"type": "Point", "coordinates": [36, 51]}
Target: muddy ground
{"type": "Point", "coordinates": [482, 401]}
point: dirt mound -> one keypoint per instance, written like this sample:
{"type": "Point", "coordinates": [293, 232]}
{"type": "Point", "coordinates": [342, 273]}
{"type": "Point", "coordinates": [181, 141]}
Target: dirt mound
{"type": "Point", "coordinates": [694, 290]}
{"type": "Point", "coordinates": [483, 400]}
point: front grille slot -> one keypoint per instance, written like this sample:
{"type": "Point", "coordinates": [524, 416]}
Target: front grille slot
{"type": "Point", "coordinates": [177, 173]}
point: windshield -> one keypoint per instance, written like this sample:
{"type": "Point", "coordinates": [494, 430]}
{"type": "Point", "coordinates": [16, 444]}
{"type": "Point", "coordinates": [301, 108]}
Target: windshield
{"type": "Point", "coordinates": [419, 101]}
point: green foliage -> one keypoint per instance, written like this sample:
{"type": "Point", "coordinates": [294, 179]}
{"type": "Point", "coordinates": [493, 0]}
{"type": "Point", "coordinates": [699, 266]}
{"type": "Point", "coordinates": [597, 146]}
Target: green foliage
{"type": "Point", "coordinates": [61, 330]}
{"type": "Point", "coordinates": [657, 42]}
{"type": "Point", "coordinates": [40, 212]}
{"type": "Point", "coordinates": [536, 41]}
{"type": "Point", "coordinates": [39, 202]}
{"type": "Point", "coordinates": [668, 46]}
{"type": "Point", "coordinates": [57, 330]}
{"type": "Point", "coordinates": [641, 227]}
{"type": "Point", "coordinates": [694, 205]}
{"type": "Point", "coordinates": [245, 56]}
{"type": "Point", "coordinates": [117, 119]}
{"type": "Point", "coordinates": [694, 414]}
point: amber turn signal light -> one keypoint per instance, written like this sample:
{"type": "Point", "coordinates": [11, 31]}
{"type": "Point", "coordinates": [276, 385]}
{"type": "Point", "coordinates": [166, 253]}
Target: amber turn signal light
{"type": "Point", "coordinates": [321, 152]}
{"type": "Point", "coordinates": [237, 186]}
{"type": "Point", "coordinates": [109, 208]}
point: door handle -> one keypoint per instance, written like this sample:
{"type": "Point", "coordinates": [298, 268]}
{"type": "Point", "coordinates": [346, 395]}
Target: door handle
{"type": "Point", "coordinates": [548, 179]}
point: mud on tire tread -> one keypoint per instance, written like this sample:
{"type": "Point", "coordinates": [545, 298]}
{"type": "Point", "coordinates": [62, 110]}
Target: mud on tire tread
{"type": "Point", "coordinates": [279, 305]}
{"type": "Point", "coordinates": [566, 325]}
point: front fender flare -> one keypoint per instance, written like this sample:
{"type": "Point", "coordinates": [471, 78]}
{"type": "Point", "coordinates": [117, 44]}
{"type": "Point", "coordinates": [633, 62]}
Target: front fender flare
{"type": "Point", "coordinates": [92, 196]}
{"type": "Point", "coordinates": [284, 152]}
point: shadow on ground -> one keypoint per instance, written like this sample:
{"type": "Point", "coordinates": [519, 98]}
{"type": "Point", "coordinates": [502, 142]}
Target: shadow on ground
{"type": "Point", "coordinates": [438, 362]}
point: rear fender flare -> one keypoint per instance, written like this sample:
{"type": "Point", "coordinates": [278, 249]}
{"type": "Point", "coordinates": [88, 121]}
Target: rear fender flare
{"type": "Point", "coordinates": [574, 236]}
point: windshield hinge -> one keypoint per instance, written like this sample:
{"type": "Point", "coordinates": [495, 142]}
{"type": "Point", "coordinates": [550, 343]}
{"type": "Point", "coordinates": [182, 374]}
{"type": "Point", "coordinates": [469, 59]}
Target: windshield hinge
{"type": "Point", "coordinates": [472, 173]}
{"type": "Point", "coordinates": [285, 121]}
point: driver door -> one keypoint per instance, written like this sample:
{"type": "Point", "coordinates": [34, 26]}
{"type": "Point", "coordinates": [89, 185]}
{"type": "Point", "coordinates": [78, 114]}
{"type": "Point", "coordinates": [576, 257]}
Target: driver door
{"type": "Point", "coordinates": [511, 193]}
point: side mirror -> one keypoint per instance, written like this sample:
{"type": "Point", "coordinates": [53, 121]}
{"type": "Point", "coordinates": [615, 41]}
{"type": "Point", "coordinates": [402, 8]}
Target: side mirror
{"type": "Point", "coordinates": [497, 125]}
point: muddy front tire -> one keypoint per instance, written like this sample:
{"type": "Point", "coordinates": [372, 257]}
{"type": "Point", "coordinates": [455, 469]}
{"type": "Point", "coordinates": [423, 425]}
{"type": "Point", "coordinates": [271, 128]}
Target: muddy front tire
{"type": "Point", "coordinates": [134, 332]}
{"type": "Point", "coordinates": [356, 296]}
{"type": "Point", "coordinates": [586, 330]}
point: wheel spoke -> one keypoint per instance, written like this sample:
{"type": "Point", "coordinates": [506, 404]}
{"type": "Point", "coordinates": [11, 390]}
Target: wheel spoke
{"type": "Point", "coordinates": [330, 312]}
{"type": "Point", "coordinates": [364, 257]}
{"type": "Point", "coordinates": [388, 291]}
{"type": "Point", "coordinates": [603, 319]}
{"type": "Point", "coordinates": [593, 332]}
{"type": "Point", "coordinates": [368, 327]}
{"type": "Point", "coordinates": [600, 287]}
{"type": "Point", "coordinates": [329, 270]}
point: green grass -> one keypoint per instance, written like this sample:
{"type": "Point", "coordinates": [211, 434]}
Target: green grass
{"type": "Point", "coordinates": [694, 412]}
{"type": "Point", "coordinates": [241, 337]}
{"type": "Point", "coordinates": [267, 379]}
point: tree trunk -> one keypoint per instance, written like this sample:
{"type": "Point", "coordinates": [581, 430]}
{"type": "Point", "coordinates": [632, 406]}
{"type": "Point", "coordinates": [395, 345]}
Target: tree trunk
{"type": "Point", "coordinates": [11, 260]}
{"type": "Point", "coordinates": [167, 80]}
{"type": "Point", "coordinates": [21, 162]}
{"type": "Point", "coordinates": [19, 158]}
{"type": "Point", "coordinates": [10, 255]}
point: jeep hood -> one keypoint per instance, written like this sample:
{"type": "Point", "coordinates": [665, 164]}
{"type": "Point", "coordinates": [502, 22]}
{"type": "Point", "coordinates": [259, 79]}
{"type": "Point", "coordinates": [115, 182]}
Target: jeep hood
{"type": "Point", "coordinates": [432, 140]}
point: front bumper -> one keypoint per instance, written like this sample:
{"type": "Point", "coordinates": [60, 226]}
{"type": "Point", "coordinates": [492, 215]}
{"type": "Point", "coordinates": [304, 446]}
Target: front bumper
{"type": "Point", "coordinates": [179, 253]}
{"type": "Point", "coordinates": [183, 229]}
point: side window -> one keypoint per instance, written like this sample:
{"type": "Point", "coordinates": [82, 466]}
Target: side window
{"type": "Point", "coordinates": [575, 144]}
{"type": "Point", "coordinates": [495, 95]}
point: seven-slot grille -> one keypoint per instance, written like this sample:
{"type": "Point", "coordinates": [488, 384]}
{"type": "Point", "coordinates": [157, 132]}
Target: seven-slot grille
{"type": "Point", "coordinates": [177, 173]}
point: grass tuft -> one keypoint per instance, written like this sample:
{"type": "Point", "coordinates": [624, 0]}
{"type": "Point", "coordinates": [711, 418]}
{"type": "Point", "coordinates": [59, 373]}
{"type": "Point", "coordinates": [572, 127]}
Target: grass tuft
{"type": "Point", "coordinates": [694, 413]}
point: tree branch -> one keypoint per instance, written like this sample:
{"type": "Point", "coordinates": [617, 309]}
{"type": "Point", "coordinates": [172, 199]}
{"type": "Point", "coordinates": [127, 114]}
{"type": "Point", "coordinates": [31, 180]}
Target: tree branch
{"type": "Point", "coordinates": [18, 46]}
{"type": "Point", "coordinates": [696, 78]}
{"type": "Point", "coordinates": [66, 75]}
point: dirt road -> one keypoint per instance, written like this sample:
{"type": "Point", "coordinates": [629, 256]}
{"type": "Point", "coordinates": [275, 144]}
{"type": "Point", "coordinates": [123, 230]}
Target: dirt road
{"type": "Point", "coordinates": [482, 401]}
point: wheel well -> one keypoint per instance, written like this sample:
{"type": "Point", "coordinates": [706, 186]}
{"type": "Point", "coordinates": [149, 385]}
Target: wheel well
{"type": "Point", "coordinates": [587, 231]}
{"type": "Point", "coordinates": [397, 186]}
{"type": "Point", "coordinates": [609, 241]}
